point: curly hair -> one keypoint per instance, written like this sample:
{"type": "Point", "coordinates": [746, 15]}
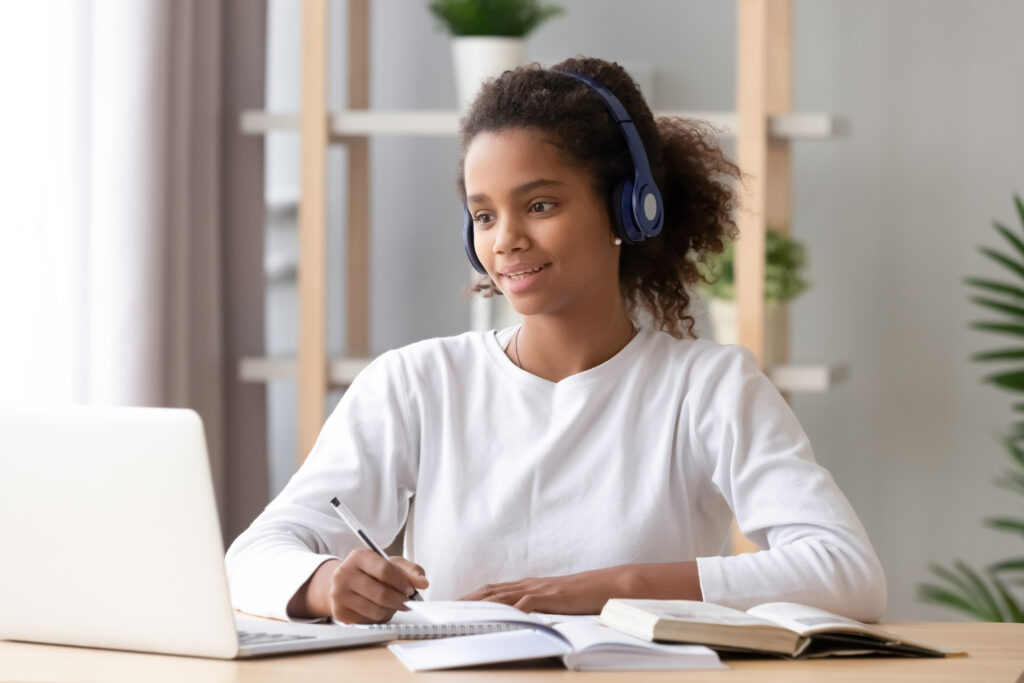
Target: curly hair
{"type": "Point", "coordinates": [689, 167]}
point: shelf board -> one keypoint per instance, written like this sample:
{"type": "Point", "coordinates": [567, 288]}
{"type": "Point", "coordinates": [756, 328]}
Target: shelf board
{"type": "Point", "coordinates": [791, 378]}
{"type": "Point", "coordinates": [807, 378]}
{"type": "Point", "coordinates": [436, 122]}
{"type": "Point", "coordinates": [341, 371]}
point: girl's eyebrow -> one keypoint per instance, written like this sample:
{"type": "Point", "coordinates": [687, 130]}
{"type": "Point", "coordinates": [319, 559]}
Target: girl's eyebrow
{"type": "Point", "coordinates": [521, 190]}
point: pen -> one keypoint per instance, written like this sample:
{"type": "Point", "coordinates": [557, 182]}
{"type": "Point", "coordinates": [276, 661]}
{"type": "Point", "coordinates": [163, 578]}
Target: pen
{"type": "Point", "coordinates": [357, 528]}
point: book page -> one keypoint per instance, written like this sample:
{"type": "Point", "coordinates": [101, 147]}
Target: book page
{"type": "Point", "coordinates": [696, 612]}
{"type": "Point", "coordinates": [809, 620]}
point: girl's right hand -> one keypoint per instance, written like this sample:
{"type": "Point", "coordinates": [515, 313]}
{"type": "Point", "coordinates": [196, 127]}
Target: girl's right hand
{"type": "Point", "coordinates": [365, 588]}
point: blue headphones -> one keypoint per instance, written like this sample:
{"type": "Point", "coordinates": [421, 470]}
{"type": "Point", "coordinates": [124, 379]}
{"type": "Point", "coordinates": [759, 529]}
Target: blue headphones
{"type": "Point", "coordinates": [640, 213]}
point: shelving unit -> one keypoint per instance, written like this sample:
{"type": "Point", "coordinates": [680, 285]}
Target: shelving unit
{"type": "Point", "coordinates": [355, 123]}
{"type": "Point", "coordinates": [763, 126]}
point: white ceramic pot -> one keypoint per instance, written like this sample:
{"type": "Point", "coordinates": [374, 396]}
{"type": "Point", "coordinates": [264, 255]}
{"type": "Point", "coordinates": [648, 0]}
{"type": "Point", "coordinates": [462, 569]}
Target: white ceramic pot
{"type": "Point", "coordinates": [776, 322]}
{"type": "Point", "coordinates": [478, 58]}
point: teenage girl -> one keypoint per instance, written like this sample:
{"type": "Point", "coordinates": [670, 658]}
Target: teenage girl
{"type": "Point", "coordinates": [597, 450]}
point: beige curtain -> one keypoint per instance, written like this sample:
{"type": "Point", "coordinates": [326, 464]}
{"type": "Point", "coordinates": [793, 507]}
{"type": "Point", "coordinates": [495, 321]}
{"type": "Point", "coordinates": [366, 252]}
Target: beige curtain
{"type": "Point", "coordinates": [170, 80]}
{"type": "Point", "coordinates": [137, 277]}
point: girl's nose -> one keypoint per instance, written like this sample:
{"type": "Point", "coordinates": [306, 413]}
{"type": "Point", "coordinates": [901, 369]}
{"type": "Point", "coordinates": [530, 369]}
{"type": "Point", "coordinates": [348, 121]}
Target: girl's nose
{"type": "Point", "coordinates": [510, 236]}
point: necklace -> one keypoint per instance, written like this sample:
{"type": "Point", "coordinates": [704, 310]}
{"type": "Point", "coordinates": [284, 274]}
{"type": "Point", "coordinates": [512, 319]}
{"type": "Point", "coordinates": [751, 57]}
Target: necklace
{"type": "Point", "coordinates": [515, 342]}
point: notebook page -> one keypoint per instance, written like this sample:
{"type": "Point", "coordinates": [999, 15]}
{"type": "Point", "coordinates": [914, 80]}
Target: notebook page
{"type": "Point", "coordinates": [451, 653]}
{"type": "Point", "coordinates": [462, 611]}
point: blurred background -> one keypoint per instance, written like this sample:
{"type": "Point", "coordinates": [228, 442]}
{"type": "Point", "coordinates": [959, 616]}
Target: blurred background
{"type": "Point", "coordinates": [150, 245]}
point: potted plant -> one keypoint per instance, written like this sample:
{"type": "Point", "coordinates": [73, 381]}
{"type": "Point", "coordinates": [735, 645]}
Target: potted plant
{"type": "Point", "coordinates": [785, 262]}
{"type": "Point", "coordinates": [989, 593]}
{"type": "Point", "coordinates": [488, 37]}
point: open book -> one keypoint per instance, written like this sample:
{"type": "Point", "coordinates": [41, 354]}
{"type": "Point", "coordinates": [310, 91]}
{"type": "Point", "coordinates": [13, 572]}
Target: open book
{"type": "Point", "coordinates": [582, 643]}
{"type": "Point", "coordinates": [781, 628]}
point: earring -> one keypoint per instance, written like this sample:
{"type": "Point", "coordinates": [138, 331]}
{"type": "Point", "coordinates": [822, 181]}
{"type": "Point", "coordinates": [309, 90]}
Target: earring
{"type": "Point", "coordinates": [617, 241]}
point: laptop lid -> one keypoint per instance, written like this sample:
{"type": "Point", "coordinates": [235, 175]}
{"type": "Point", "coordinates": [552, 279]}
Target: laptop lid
{"type": "Point", "coordinates": [109, 532]}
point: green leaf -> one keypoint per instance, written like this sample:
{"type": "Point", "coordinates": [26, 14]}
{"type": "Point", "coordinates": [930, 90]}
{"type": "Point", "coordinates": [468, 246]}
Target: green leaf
{"type": "Point", "coordinates": [1012, 608]}
{"type": "Point", "coordinates": [1002, 260]}
{"type": "Point", "coordinates": [999, 306]}
{"type": "Point", "coordinates": [1006, 524]}
{"type": "Point", "coordinates": [492, 17]}
{"type": "Point", "coordinates": [993, 286]}
{"type": "Point", "coordinates": [1015, 452]}
{"type": "Point", "coordinates": [981, 591]}
{"type": "Point", "coordinates": [1006, 328]}
{"type": "Point", "coordinates": [962, 586]}
{"type": "Point", "coordinates": [1011, 238]}
{"type": "Point", "coordinates": [1013, 381]}
{"type": "Point", "coordinates": [1020, 207]}
{"type": "Point", "coordinates": [1011, 481]}
{"type": "Point", "coordinates": [1002, 354]}
{"type": "Point", "coordinates": [943, 596]}
{"type": "Point", "coordinates": [1014, 565]}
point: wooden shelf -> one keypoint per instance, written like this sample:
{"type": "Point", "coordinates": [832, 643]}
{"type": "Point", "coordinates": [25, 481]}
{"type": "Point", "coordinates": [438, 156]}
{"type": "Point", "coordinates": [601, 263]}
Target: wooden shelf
{"type": "Point", "coordinates": [435, 122]}
{"type": "Point", "coordinates": [807, 378]}
{"type": "Point", "coordinates": [340, 371]}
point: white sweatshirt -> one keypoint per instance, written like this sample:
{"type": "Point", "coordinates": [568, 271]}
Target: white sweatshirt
{"type": "Point", "coordinates": [503, 475]}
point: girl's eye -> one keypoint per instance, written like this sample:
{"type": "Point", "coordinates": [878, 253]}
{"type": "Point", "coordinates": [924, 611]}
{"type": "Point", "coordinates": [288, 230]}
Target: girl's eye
{"type": "Point", "coordinates": [541, 206]}
{"type": "Point", "coordinates": [483, 219]}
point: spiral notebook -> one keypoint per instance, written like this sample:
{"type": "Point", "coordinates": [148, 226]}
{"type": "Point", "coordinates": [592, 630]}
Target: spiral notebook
{"type": "Point", "coordinates": [410, 626]}
{"type": "Point", "coordinates": [581, 642]}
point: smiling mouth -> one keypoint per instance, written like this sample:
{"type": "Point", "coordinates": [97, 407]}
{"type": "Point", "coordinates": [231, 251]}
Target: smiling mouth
{"type": "Point", "coordinates": [519, 275]}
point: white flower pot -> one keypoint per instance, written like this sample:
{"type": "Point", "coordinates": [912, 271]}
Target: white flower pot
{"type": "Point", "coordinates": [776, 322]}
{"type": "Point", "coordinates": [478, 58]}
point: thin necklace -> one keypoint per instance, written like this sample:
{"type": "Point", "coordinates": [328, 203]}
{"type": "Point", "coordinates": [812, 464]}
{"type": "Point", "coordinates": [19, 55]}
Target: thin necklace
{"type": "Point", "coordinates": [515, 341]}
{"type": "Point", "coordinates": [518, 363]}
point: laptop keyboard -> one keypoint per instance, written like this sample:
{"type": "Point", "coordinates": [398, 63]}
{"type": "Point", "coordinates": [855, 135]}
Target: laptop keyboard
{"type": "Point", "coordinates": [250, 638]}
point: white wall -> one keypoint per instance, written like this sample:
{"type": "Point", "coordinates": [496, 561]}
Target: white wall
{"type": "Point", "coordinates": [890, 213]}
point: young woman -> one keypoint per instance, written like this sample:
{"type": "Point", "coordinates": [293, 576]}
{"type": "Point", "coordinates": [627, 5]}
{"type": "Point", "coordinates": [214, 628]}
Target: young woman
{"type": "Point", "coordinates": [585, 454]}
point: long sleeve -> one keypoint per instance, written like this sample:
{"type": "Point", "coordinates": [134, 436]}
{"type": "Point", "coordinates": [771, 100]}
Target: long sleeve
{"type": "Point", "coordinates": [365, 456]}
{"type": "Point", "coordinates": [814, 549]}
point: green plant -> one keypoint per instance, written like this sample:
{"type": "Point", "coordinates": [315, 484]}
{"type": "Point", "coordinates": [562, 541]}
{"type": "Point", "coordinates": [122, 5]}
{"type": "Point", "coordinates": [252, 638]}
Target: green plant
{"type": "Point", "coordinates": [785, 259]}
{"type": "Point", "coordinates": [513, 18]}
{"type": "Point", "coordinates": [988, 594]}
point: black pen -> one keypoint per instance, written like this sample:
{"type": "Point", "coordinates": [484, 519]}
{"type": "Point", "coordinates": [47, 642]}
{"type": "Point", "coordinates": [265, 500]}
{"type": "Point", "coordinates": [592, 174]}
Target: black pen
{"type": "Point", "coordinates": [357, 528]}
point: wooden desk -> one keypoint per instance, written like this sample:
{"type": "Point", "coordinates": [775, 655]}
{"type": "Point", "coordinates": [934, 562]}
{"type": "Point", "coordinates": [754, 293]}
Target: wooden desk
{"type": "Point", "coordinates": [996, 654]}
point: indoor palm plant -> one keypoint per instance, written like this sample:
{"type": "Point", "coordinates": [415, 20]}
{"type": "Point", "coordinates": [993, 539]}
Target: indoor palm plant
{"type": "Point", "coordinates": [988, 593]}
{"type": "Point", "coordinates": [488, 36]}
{"type": "Point", "coordinates": [785, 263]}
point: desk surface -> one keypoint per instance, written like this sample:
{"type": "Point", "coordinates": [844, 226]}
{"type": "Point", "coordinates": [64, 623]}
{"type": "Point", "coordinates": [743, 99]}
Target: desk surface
{"type": "Point", "coordinates": [996, 653]}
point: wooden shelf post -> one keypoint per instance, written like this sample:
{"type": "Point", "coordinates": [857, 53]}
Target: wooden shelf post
{"type": "Point", "coordinates": [312, 355]}
{"type": "Point", "coordinates": [357, 224]}
{"type": "Point", "coordinates": [763, 89]}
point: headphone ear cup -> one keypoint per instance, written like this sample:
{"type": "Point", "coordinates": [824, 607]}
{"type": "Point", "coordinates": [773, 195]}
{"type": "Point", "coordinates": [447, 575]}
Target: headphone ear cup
{"type": "Point", "coordinates": [623, 212]}
{"type": "Point", "coordinates": [615, 211]}
{"type": "Point", "coordinates": [467, 241]}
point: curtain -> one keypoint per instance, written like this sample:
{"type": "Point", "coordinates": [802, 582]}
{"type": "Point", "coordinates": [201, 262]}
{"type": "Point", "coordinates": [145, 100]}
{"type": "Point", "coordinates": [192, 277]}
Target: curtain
{"type": "Point", "coordinates": [132, 248]}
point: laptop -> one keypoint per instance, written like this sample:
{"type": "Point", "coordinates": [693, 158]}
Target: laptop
{"type": "Point", "coordinates": [109, 538]}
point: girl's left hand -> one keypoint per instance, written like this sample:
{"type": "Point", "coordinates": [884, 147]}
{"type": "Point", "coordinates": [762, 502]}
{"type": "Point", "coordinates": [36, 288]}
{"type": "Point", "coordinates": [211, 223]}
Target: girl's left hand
{"type": "Point", "coordinates": [583, 593]}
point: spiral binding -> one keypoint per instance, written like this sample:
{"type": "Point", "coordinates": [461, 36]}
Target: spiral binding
{"type": "Point", "coordinates": [429, 631]}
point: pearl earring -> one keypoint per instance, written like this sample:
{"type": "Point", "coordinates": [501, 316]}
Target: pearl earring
{"type": "Point", "coordinates": [617, 241]}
